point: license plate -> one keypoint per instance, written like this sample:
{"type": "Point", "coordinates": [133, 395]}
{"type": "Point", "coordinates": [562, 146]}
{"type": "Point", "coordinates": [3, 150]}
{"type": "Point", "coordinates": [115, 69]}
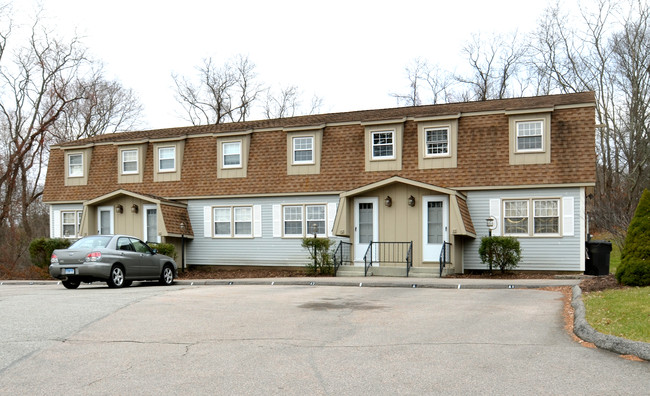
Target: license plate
{"type": "Point", "coordinates": [68, 271]}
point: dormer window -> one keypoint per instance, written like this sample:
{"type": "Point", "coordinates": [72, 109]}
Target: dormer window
{"type": "Point", "coordinates": [437, 141]}
{"type": "Point", "coordinates": [129, 161]}
{"type": "Point", "coordinates": [529, 135]}
{"type": "Point", "coordinates": [167, 159]}
{"type": "Point", "coordinates": [75, 165]}
{"type": "Point", "coordinates": [383, 145]}
{"type": "Point", "coordinates": [303, 150]}
{"type": "Point", "coordinates": [232, 155]}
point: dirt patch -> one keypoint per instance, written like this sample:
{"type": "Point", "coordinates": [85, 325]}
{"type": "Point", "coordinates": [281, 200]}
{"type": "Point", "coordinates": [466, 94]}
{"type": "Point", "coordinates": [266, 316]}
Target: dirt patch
{"type": "Point", "coordinates": [239, 273]}
{"type": "Point", "coordinates": [598, 283]}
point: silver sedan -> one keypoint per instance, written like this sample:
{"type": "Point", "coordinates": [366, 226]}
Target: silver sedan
{"type": "Point", "coordinates": [117, 260]}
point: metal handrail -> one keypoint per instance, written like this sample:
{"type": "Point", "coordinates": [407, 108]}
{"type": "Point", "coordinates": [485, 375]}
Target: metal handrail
{"type": "Point", "coordinates": [444, 257]}
{"type": "Point", "coordinates": [389, 252]}
{"type": "Point", "coordinates": [342, 251]}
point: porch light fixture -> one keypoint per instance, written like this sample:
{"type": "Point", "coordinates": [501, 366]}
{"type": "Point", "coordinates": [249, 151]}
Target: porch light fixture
{"type": "Point", "coordinates": [134, 208]}
{"type": "Point", "coordinates": [491, 223]}
{"type": "Point", "coordinates": [119, 209]}
{"type": "Point", "coordinates": [411, 201]}
{"type": "Point", "coordinates": [388, 201]}
{"type": "Point", "coordinates": [314, 229]}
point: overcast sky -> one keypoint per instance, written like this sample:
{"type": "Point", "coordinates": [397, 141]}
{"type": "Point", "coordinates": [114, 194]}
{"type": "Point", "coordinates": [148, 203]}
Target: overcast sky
{"type": "Point", "coordinates": [350, 53]}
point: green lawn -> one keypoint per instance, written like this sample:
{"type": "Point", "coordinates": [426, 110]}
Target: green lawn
{"type": "Point", "coordinates": [620, 312]}
{"type": "Point", "coordinates": [614, 258]}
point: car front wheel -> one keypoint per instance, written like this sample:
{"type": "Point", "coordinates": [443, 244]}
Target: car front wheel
{"type": "Point", "coordinates": [69, 284]}
{"type": "Point", "coordinates": [167, 276]}
{"type": "Point", "coordinates": [116, 278]}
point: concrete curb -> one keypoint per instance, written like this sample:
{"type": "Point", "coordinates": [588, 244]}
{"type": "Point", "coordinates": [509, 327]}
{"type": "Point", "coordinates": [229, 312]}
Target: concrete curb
{"type": "Point", "coordinates": [582, 329]}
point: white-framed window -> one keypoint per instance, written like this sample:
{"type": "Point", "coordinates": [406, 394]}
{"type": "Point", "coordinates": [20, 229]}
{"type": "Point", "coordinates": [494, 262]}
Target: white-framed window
{"type": "Point", "coordinates": [231, 154]}
{"type": "Point", "coordinates": [546, 216]}
{"type": "Point", "coordinates": [75, 165]}
{"type": "Point", "coordinates": [303, 150]}
{"type": "Point", "coordinates": [530, 135]}
{"type": "Point", "coordinates": [292, 220]}
{"type": "Point", "coordinates": [71, 223]}
{"type": "Point", "coordinates": [297, 220]}
{"type": "Point", "coordinates": [243, 218]}
{"type": "Point", "coordinates": [315, 216]}
{"type": "Point", "coordinates": [233, 221]}
{"type": "Point", "coordinates": [515, 217]}
{"type": "Point", "coordinates": [167, 159]}
{"type": "Point", "coordinates": [222, 218]}
{"type": "Point", "coordinates": [436, 141]}
{"type": "Point", "coordinates": [129, 161]}
{"type": "Point", "coordinates": [520, 220]}
{"type": "Point", "coordinates": [383, 144]}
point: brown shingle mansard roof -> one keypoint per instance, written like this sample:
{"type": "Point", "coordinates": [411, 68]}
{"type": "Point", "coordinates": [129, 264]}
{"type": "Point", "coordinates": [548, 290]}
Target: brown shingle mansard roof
{"type": "Point", "coordinates": [361, 116]}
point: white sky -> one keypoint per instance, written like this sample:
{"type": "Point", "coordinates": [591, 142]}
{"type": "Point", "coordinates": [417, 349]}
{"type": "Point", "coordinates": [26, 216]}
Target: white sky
{"type": "Point", "coordinates": [350, 53]}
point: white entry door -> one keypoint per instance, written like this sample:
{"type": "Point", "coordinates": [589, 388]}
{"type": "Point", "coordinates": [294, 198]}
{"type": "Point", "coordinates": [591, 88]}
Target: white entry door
{"type": "Point", "coordinates": [366, 227]}
{"type": "Point", "coordinates": [105, 220]}
{"type": "Point", "coordinates": [435, 223]}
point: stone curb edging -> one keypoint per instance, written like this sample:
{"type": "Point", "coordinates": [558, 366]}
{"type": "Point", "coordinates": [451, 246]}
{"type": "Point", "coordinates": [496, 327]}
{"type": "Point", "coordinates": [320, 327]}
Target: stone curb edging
{"type": "Point", "coordinates": [583, 329]}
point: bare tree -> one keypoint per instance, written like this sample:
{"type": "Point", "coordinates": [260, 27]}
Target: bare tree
{"type": "Point", "coordinates": [283, 105]}
{"type": "Point", "coordinates": [437, 85]}
{"type": "Point", "coordinates": [221, 93]}
{"type": "Point", "coordinates": [104, 106]}
{"type": "Point", "coordinates": [494, 65]}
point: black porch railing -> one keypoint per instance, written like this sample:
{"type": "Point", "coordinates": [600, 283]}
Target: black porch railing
{"type": "Point", "coordinates": [445, 256]}
{"type": "Point", "coordinates": [342, 255]}
{"type": "Point", "coordinates": [388, 253]}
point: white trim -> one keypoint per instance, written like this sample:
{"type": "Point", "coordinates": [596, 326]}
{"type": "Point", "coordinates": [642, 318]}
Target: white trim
{"type": "Point", "coordinates": [160, 170]}
{"type": "Point", "coordinates": [207, 221]}
{"type": "Point", "coordinates": [80, 166]}
{"type": "Point", "coordinates": [277, 221]}
{"type": "Point", "coordinates": [293, 150]}
{"type": "Point", "coordinates": [111, 225]}
{"type": "Point", "coordinates": [55, 225]}
{"type": "Point", "coordinates": [145, 223]}
{"type": "Point", "coordinates": [331, 216]}
{"type": "Point", "coordinates": [360, 249]}
{"type": "Point", "coordinates": [137, 162]}
{"type": "Point", "coordinates": [583, 230]}
{"type": "Point", "coordinates": [495, 211]}
{"type": "Point", "coordinates": [223, 154]}
{"type": "Point", "coordinates": [393, 144]}
{"type": "Point", "coordinates": [568, 226]}
{"type": "Point", "coordinates": [541, 149]}
{"type": "Point", "coordinates": [431, 251]}
{"type": "Point", "coordinates": [257, 221]}
{"type": "Point", "coordinates": [437, 128]}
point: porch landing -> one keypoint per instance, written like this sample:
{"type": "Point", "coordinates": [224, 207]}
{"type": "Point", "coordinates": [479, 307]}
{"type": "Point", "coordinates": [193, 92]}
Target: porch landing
{"type": "Point", "coordinates": [414, 272]}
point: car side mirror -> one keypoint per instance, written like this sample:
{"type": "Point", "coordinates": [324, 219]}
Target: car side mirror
{"type": "Point", "coordinates": [155, 251]}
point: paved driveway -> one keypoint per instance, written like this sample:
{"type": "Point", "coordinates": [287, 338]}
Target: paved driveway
{"type": "Point", "coordinates": [263, 339]}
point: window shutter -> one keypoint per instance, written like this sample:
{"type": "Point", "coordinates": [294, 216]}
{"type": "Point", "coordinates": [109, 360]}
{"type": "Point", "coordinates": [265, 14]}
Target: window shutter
{"type": "Point", "coordinates": [207, 221]}
{"type": "Point", "coordinates": [495, 211]}
{"type": "Point", "coordinates": [567, 216]}
{"type": "Point", "coordinates": [55, 223]}
{"type": "Point", "coordinates": [277, 221]}
{"type": "Point", "coordinates": [331, 215]}
{"type": "Point", "coordinates": [257, 221]}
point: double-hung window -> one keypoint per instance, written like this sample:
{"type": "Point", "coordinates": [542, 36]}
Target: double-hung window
{"type": "Point", "coordinates": [546, 216]}
{"type": "Point", "coordinates": [75, 165]}
{"type": "Point", "coordinates": [70, 223]}
{"type": "Point", "coordinates": [232, 221]}
{"type": "Point", "coordinates": [315, 219]}
{"type": "Point", "coordinates": [515, 217]}
{"type": "Point", "coordinates": [293, 221]}
{"type": "Point", "coordinates": [437, 141]}
{"type": "Point", "coordinates": [303, 150]}
{"type": "Point", "coordinates": [301, 220]}
{"type": "Point", "coordinates": [383, 144]}
{"type": "Point", "coordinates": [530, 135]}
{"type": "Point", "coordinates": [129, 161]}
{"type": "Point", "coordinates": [232, 155]}
{"type": "Point", "coordinates": [167, 159]}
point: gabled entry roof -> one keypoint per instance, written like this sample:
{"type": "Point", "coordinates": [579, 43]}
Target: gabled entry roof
{"type": "Point", "coordinates": [457, 201]}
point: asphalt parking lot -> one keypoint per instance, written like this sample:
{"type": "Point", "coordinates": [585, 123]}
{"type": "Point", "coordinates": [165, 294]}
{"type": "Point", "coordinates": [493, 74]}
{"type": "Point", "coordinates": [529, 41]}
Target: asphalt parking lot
{"type": "Point", "coordinates": [289, 339]}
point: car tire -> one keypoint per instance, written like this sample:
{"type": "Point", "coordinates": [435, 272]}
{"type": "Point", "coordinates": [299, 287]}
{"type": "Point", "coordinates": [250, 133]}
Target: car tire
{"type": "Point", "coordinates": [116, 278]}
{"type": "Point", "coordinates": [70, 284]}
{"type": "Point", "coordinates": [167, 276]}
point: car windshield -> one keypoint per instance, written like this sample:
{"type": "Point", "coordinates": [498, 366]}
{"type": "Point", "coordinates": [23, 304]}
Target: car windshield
{"type": "Point", "coordinates": [92, 242]}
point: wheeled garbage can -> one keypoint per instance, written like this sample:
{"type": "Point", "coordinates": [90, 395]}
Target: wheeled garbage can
{"type": "Point", "coordinates": [597, 262]}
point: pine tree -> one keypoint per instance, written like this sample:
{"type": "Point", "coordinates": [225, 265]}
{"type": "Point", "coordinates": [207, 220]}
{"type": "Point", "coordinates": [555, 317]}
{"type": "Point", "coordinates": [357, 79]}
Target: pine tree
{"type": "Point", "coordinates": [635, 260]}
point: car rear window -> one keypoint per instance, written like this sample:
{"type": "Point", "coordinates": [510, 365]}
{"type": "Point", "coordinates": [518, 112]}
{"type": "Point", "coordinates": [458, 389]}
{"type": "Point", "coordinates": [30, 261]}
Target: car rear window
{"type": "Point", "coordinates": [92, 242]}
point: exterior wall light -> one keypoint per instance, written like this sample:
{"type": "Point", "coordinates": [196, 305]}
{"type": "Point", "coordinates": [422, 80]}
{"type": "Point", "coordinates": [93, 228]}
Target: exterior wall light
{"type": "Point", "coordinates": [491, 223]}
{"type": "Point", "coordinates": [134, 208]}
{"type": "Point", "coordinates": [388, 201]}
{"type": "Point", "coordinates": [411, 201]}
{"type": "Point", "coordinates": [119, 209]}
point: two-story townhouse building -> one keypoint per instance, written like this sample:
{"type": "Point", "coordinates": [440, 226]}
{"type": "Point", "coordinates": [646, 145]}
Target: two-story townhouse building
{"type": "Point", "coordinates": [247, 193]}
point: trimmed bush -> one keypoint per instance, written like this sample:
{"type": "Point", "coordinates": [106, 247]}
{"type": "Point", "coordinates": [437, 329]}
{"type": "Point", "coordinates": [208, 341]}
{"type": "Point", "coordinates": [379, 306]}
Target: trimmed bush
{"type": "Point", "coordinates": [167, 249]}
{"type": "Point", "coordinates": [502, 252]}
{"type": "Point", "coordinates": [321, 262]}
{"type": "Point", "coordinates": [40, 250]}
{"type": "Point", "coordinates": [634, 269]}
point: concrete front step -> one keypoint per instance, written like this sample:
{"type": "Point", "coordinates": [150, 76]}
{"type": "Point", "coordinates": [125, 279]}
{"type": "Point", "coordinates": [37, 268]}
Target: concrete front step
{"type": "Point", "coordinates": [415, 272]}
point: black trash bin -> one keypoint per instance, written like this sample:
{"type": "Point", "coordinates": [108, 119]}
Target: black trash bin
{"type": "Point", "coordinates": [598, 260]}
